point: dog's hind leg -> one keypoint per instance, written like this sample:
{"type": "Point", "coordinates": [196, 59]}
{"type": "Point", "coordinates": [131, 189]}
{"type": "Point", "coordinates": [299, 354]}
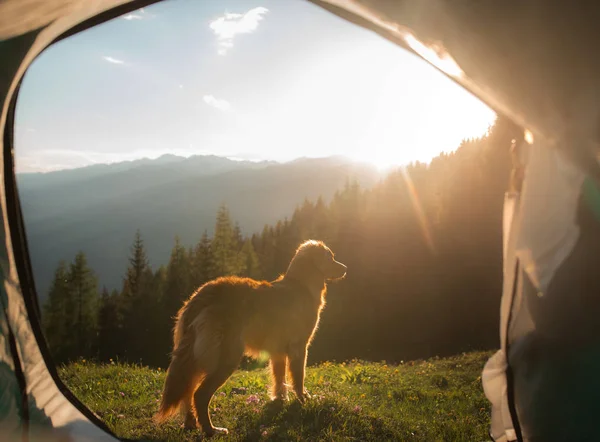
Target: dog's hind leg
{"type": "Point", "coordinates": [229, 359]}
{"type": "Point", "coordinates": [279, 391]}
{"type": "Point", "coordinates": [190, 422]}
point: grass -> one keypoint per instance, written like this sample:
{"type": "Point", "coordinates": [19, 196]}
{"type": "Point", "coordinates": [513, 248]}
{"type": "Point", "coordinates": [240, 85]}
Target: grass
{"type": "Point", "coordinates": [433, 400]}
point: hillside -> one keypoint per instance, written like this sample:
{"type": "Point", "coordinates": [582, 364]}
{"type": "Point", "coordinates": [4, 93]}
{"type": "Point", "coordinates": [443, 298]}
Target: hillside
{"type": "Point", "coordinates": [436, 399]}
{"type": "Point", "coordinates": [97, 209]}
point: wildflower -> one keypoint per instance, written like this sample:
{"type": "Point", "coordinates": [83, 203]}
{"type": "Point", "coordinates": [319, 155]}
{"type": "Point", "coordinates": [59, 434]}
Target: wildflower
{"type": "Point", "coordinates": [357, 408]}
{"type": "Point", "coordinates": [252, 399]}
{"type": "Point", "coordinates": [265, 433]}
{"type": "Point", "coordinates": [122, 394]}
{"type": "Point", "coordinates": [332, 408]}
{"type": "Point", "coordinates": [363, 395]}
{"type": "Point", "coordinates": [222, 393]}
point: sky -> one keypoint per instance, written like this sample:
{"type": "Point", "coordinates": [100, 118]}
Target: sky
{"type": "Point", "coordinates": [246, 79]}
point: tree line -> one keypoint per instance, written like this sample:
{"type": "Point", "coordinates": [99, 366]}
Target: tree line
{"type": "Point", "coordinates": [423, 249]}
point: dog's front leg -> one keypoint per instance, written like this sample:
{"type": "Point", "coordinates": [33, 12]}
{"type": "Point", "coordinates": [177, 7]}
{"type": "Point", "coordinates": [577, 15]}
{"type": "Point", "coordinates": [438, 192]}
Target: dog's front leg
{"type": "Point", "coordinates": [297, 364]}
{"type": "Point", "coordinates": [279, 390]}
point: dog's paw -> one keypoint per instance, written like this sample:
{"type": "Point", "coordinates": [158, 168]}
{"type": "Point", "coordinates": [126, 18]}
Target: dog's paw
{"type": "Point", "coordinates": [304, 397]}
{"type": "Point", "coordinates": [281, 396]}
{"type": "Point", "coordinates": [216, 430]}
{"type": "Point", "coordinates": [190, 423]}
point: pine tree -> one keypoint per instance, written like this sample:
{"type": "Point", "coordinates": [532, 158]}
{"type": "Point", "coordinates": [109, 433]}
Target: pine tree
{"type": "Point", "coordinates": [251, 263]}
{"type": "Point", "coordinates": [176, 287]}
{"type": "Point", "coordinates": [161, 331]}
{"type": "Point", "coordinates": [202, 262]}
{"type": "Point", "coordinates": [267, 253]}
{"type": "Point", "coordinates": [137, 272]}
{"type": "Point", "coordinates": [56, 319]}
{"type": "Point", "coordinates": [281, 250]}
{"type": "Point", "coordinates": [139, 303]}
{"type": "Point", "coordinates": [237, 237]}
{"type": "Point", "coordinates": [83, 288]}
{"type": "Point", "coordinates": [159, 282]}
{"type": "Point", "coordinates": [109, 330]}
{"type": "Point", "coordinates": [146, 316]}
{"type": "Point", "coordinates": [224, 246]}
{"type": "Point", "coordinates": [177, 284]}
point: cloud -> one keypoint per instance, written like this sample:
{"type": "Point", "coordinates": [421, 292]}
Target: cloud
{"type": "Point", "coordinates": [113, 60]}
{"type": "Point", "coordinates": [133, 17]}
{"type": "Point", "coordinates": [140, 14]}
{"type": "Point", "coordinates": [220, 104]}
{"type": "Point", "coordinates": [229, 25]}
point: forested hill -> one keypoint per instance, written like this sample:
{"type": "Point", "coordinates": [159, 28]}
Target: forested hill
{"type": "Point", "coordinates": [98, 209]}
{"type": "Point", "coordinates": [423, 249]}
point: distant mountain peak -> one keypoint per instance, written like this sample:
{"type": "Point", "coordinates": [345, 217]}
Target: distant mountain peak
{"type": "Point", "coordinates": [169, 157]}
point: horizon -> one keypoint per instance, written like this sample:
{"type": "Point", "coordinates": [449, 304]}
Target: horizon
{"type": "Point", "coordinates": [236, 79]}
{"type": "Point", "coordinates": [382, 170]}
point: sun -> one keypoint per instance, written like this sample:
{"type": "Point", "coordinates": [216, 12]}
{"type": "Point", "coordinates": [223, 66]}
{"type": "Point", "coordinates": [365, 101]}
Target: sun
{"type": "Point", "coordinates": [421, 113]}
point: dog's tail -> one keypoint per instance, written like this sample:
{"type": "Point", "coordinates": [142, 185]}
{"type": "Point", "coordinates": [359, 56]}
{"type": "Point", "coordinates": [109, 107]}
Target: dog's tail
{"type": "Point", "coordinates": [182, 375]}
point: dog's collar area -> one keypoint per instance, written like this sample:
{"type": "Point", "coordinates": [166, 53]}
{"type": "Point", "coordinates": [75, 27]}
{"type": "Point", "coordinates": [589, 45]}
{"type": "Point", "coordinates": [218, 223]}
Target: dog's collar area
{"type": "Point", "coordinates": [297, 282]}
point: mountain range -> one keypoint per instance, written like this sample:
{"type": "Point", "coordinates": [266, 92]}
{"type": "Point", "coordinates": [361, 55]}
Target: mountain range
{"type": "Point", "coordinates": [97, 209]}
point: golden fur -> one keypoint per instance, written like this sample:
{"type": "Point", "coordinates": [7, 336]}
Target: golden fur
{"type": "Point", "coordinates": [230, 316]}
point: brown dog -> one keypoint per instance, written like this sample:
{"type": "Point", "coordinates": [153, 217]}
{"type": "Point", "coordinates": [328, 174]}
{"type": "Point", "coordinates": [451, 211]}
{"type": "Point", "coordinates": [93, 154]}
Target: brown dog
{"type": "Point", "coordinates": [228, 317]}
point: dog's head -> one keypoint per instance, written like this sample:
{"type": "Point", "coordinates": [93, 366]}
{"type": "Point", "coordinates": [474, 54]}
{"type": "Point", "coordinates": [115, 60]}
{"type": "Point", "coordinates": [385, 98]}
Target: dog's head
{"type": "Point", "coordinates": [314, 259]}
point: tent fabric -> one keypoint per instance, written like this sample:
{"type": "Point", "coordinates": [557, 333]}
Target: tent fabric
{"type": "Point", "coordinates": [534, 251]}
{"type": "Point", "coordinates": [10, 388]}
{"type": "Point", "coordinates": [549, 349]}
{"type": "Point", "coordinates": [528, 60]}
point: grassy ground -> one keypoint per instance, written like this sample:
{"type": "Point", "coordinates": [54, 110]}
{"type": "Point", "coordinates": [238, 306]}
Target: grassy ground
{"type": "Point", "coordinates": [433, 400]}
